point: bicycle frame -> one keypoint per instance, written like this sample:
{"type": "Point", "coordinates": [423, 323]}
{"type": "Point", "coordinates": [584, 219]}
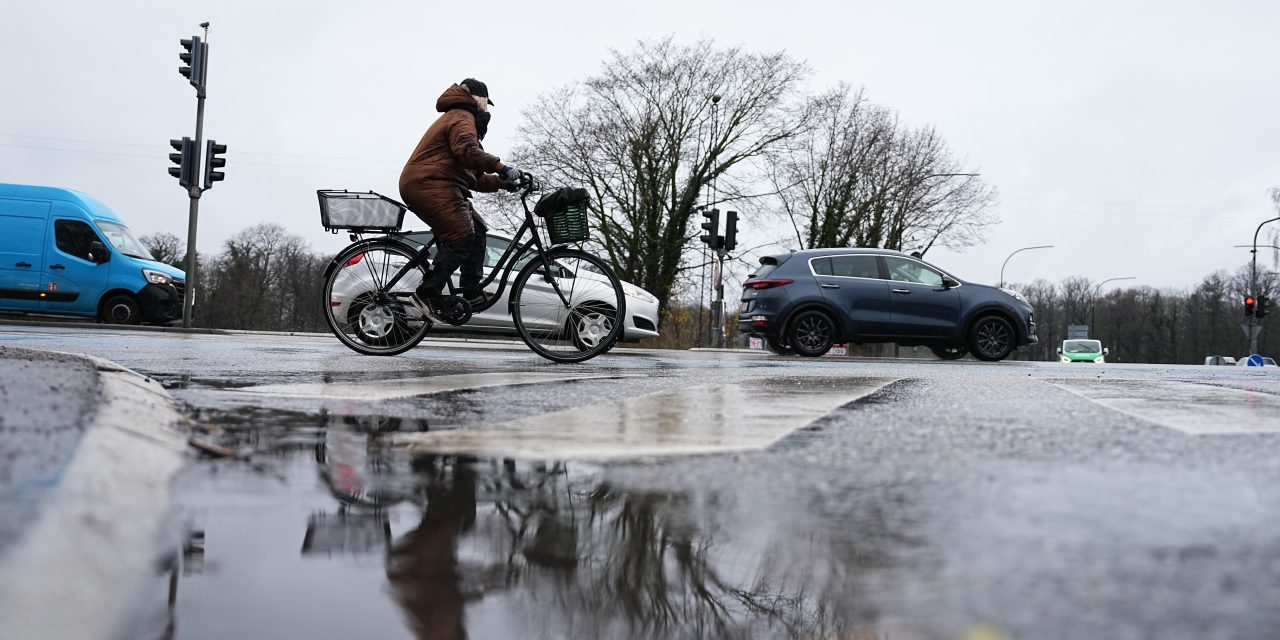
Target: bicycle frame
{"type": "Point", "coordinates": [505, 264]}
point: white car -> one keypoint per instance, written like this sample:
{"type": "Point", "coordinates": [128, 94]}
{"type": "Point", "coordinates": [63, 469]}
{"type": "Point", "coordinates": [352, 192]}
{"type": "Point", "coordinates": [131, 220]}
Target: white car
{"type": "Point", "coordinates": [641, 311]}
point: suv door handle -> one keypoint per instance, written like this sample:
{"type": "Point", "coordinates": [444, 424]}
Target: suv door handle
{"type": "Point", "coordinates": [829, 286]}
{"type": "Point", "coordinates": [906, 291]}
{"type": "Point", "coordinates": [25, 265]}
{"type": "Point", "coordinates": [57, 266]}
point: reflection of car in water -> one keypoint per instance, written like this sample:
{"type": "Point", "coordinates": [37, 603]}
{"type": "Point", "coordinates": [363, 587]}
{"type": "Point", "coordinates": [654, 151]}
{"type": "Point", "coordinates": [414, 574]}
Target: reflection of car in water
{"type": "Point", "coordinates": [1082, 351]}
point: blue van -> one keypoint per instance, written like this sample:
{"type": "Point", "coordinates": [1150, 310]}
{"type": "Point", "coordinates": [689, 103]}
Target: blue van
{"type": "Point", "coordinates": [64, 252]}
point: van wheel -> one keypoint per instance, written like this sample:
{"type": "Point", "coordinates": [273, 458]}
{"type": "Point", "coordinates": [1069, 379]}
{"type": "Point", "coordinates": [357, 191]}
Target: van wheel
{"type": "Point", "coordinates": [811, 333]}
{"type": "Point", "coordinates": [121, 309]}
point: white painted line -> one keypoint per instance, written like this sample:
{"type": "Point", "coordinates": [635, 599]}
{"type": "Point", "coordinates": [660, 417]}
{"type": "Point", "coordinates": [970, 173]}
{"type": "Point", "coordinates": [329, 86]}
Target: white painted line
{"type": "Point", "coordinates": [1196, 409]}
{"type": "Point", "coordinates": [713, 418]}
{"type": "Point", "coordinates": [406, 387]}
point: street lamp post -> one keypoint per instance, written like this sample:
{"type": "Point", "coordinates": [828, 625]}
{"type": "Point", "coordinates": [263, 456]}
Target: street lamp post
{"type": "Point", "coordinates": [1093, 302]}
{"type": "Point", "coordinates": [1006, 260]}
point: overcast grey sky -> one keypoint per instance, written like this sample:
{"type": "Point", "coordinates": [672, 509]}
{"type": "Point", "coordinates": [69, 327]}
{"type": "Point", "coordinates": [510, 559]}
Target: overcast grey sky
{"type": "Point", "coordinates": [1140, 138]}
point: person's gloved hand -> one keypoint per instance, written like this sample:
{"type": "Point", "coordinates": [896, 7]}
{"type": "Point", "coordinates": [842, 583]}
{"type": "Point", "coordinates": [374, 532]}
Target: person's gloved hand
{"type": "Point", "coordinates": [510, 186]}
{"type": "Point", "coordinates": [511, 174]}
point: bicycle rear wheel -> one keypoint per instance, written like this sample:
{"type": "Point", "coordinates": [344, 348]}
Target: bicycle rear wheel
{"type": "Point", "coordinates": [360, 313]}
{"type": "Point", "coordinates": [573, 314]}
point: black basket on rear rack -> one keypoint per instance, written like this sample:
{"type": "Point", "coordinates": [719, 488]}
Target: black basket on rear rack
{"type": "Point", "coordinates": [565, 213]}
{"type": "Point", "coordinates": [359, 211]}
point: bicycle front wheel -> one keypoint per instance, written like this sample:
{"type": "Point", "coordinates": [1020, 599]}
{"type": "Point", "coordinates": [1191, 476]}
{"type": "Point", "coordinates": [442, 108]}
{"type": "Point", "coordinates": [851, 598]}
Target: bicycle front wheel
{"type": "Point", "coordinates": [362, 311]}
{"type": "Point", "coordinates": [572, 313]}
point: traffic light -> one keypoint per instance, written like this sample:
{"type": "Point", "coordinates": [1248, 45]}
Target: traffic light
{"type": "Point", "coordinates": [730, 230]}
{"type": "Point", "coordinates": [712, 227]}
{"type": "Point", "coordinates": [212, 163]}
{"type": "Point", "coordinates": [1262, 309]}
{"type": "Point", "coordinates": [185, 158]}
{"type": "Point", "coordinates": [1250, 303]}
{"type": "Point", "coordinates": [194, 58]}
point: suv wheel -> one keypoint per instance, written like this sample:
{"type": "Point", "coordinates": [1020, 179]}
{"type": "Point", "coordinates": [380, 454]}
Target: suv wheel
{"type": "Point", "coordinates": [950, 351]}
{"type": "Point", "coordinates": [811, 333]}
{"type": "Point", "coordinates": [991, 338]}
{"type": "Point", "coordinates": [778, 346]}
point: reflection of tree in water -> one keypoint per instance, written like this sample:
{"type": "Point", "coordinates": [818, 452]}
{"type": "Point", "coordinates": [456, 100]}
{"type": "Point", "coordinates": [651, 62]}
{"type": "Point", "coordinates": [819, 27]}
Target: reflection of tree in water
{"type": "Point", "coordinates": [570, 556]}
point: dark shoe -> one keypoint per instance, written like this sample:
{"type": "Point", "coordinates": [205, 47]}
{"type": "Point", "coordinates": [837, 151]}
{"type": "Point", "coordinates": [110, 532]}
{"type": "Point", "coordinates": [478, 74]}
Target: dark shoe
{"type": "Point", "coordinates": [475, 297]}
{"type": "Point", "coordinates": [427, 308]}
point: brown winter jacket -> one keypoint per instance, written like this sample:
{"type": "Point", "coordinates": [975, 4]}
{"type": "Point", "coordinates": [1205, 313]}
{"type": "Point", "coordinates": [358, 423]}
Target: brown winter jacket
{"type": "Point", "coordinates": [450, 150]}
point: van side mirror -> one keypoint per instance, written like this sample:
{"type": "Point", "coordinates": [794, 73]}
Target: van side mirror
{"type": "Point", "coordinates": [1059, 350]}
{"type": "Point", "coordinates": [98, 252]}
{"type": "Point", "coordinates": [1106, 351]}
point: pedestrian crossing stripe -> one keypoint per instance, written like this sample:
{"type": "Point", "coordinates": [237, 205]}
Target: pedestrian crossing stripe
{"type": "Point", "coordinates": [1197, 409]}
{"type": "Point", "coordinates": [374, 390]}
{"type": "Point", "coordinates": [714, 418]}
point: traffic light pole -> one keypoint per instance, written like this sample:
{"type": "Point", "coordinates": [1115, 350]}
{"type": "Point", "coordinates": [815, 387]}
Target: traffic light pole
{"type": "Point", "coordinates": [193, 190]}
{"type": "Point", "coordinates": [717, 303]}
{"type": "Point", "coordinates": [1254, 327]}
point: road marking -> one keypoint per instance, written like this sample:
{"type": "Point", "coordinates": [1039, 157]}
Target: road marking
{"type": "Point", "coordinates": [742, 416]}
{"type": "Point", "coordinates": [1192, 408]}
{"type": "Point", "coordinates": [405, 387]}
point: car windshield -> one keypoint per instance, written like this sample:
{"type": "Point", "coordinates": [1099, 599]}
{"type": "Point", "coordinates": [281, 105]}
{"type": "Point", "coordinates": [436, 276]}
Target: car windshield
{"type": "Point", "coordinates": [1082, 346]}
{"type": "Point", "coordinates": [122, 239]}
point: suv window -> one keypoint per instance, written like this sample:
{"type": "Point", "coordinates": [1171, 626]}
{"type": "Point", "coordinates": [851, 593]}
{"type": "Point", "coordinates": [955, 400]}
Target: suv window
{"type": "Point", "coordinates": [73, 237]}
{"type": "Point", "coordinates": [904, 270]}
{"type": "Point", "coordinates": [822, 266]}
{"type": "Point", "coordinates": [855, 266]}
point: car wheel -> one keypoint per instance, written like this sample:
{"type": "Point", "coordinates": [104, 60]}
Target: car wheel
{"type": "Point", "coordinates": [950, 351]}
{"type": "Point", "coordinates": [991, 338]}
{"type": "Point", "coordinates": [373, 323]}
{"type": "Point", "coordinates": [778, 346]}
{"type": "Point", "coordinates": [588, 328]}
{"type": "Point", "coordinates": [811, 333]}
{"type": "Point", "coordinates": [121, 309]}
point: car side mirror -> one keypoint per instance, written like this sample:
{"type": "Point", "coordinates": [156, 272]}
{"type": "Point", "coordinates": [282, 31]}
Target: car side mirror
{"type": "Point", "coordinates": [1059, 350]}
{"type": "Point", "coordinates": [1106, 351]}
{"type": "Point", "coordinates": [98, 252]}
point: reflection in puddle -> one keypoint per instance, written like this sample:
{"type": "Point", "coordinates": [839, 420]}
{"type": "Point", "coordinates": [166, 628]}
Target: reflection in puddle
{"type": "Point", "coordinates": [471, 547]}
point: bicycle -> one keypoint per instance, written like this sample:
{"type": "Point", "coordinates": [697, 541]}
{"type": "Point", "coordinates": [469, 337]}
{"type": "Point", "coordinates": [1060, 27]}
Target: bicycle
{"type": "Point", "coordinates": [566, 304]}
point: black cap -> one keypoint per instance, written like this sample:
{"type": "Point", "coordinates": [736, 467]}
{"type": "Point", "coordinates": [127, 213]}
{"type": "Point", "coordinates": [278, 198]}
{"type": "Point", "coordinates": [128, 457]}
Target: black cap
{"type": "Point", "coordinates": [477, 88]}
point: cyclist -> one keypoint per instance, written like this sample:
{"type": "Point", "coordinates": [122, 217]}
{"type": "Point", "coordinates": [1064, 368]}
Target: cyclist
{"type": "Point", "coordinates": [447, 165]}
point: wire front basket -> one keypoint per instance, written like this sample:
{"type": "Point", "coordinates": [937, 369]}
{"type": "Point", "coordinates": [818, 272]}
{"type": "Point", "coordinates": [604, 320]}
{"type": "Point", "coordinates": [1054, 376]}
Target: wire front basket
{"type": "Point", "coordinates": [565, 213]}
{"type": "Point", "coordinates": [359, 211]}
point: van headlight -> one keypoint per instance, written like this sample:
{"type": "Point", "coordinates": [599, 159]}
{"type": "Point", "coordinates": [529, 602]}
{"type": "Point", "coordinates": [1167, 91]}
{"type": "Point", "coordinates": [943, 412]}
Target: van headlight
{"type": "Point", "coordinates": [1100, 359]}
{"type": "Point", "coordinates": [637, 292]}
{"type": "Point", "coordinates": [156, 277]}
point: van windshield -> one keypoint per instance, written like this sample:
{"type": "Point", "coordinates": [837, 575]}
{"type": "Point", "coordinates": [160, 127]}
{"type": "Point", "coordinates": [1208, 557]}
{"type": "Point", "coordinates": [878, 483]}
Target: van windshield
{"type": "Point", "coordinates": [122, 239]}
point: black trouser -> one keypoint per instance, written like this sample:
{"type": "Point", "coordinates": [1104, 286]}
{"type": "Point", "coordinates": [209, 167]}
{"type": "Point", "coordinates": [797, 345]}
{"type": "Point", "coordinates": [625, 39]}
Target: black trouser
{"type": "Point", "coordinates": [467, 252]}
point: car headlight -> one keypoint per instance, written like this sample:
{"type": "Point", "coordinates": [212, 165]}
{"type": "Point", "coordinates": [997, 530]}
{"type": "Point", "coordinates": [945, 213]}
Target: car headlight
{"type": "Point", "coordinates": [156, 277]}
{"type": "Point", "coordinates": [1064, 359]}
{"type": "Point", "coordinates": [637, 292]}
{"type": "Point", "coordinates": [1016, 296]}
{"type": "Point", "coordinates": [1100, 359]}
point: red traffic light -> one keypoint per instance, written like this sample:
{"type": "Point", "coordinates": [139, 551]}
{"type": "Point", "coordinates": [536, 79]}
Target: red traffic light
{"type": "Point", "coordinates": [1250, 300]}
{"type": "Point", "coordinates": [1249, 303]}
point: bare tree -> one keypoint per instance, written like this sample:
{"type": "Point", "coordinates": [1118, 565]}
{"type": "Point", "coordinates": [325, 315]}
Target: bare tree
{"type": "Point", "coordinates": [165, 247]}
{"type": "Point", "coordinates": [641, 137]}
{"type": "Point", "coordinates": [856, 177]}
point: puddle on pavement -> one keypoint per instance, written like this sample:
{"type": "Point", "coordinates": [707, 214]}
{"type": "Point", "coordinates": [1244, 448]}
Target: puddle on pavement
{"type": "Point", "coordinates": [331, 532]}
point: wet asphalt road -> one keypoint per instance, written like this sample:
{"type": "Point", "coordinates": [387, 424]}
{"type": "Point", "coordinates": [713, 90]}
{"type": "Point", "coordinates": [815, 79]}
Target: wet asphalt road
{"type": "Point", "coordinates": [1020, 500]}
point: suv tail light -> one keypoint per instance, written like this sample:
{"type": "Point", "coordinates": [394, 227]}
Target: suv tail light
{"type": "Point", "coordinates": [766, 284]}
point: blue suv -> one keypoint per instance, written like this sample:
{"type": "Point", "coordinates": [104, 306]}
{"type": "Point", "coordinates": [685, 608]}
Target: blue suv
{"type": "Point", "coordinates": [806, 301]}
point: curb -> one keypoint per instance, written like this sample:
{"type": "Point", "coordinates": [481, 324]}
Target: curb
{"type": "Point", "coordinates": [79, 567]}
